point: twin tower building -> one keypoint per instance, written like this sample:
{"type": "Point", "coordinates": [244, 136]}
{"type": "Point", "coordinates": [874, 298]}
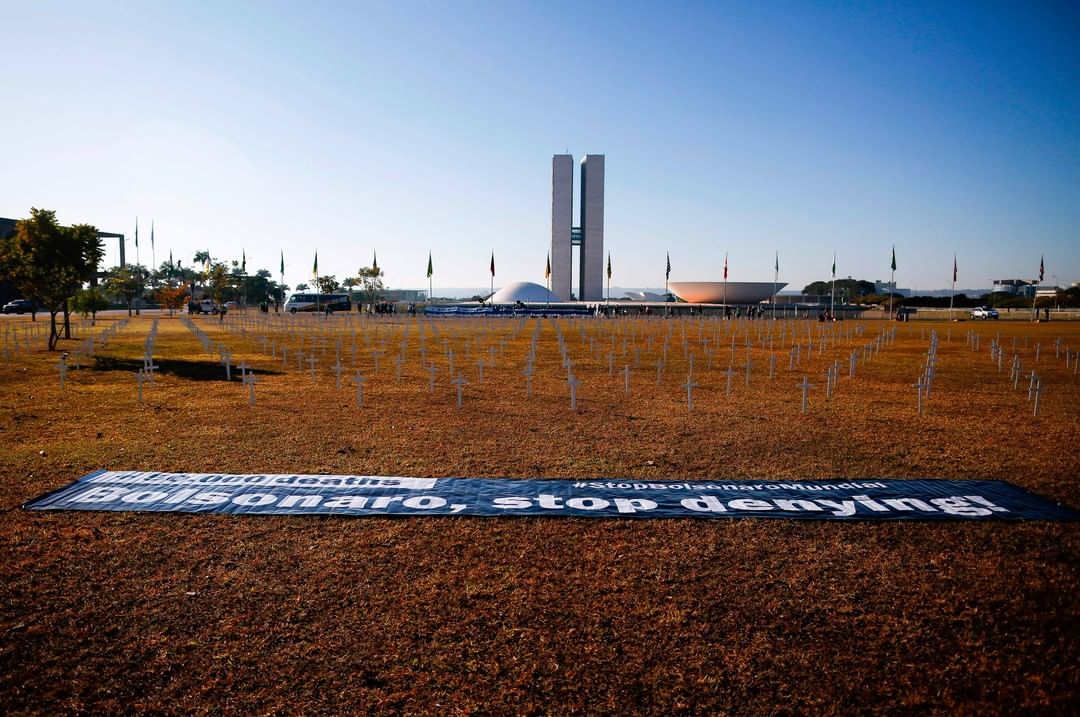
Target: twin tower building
{"type": "Point", "coordinates": [589, 235]}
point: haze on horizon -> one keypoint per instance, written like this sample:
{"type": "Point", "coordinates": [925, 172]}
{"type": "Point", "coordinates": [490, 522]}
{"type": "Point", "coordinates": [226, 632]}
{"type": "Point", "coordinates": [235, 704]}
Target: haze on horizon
{"type": "Point", "coordinates": [404, 128]}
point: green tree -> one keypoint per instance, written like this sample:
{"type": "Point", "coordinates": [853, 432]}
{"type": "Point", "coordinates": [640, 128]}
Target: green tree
{"type": "Point", "coordinates": [48, 263]}
{"type": "Point", "coordinates": [371, 282]}
{"type": "Point", "coordinates": [328, 284]}
{"type": "Point", "coordinates": [218, 281]}
{"type": "Point", "coordinates": [89, 301]}
{"type": "Point", "coordinates": [127, 282]}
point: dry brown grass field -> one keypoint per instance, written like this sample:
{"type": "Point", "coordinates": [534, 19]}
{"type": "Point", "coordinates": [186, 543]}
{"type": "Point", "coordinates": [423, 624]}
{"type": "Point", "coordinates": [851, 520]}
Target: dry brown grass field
{"type": "Point", "coordinates": [168, 613]}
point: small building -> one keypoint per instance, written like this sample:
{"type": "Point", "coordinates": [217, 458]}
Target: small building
{"type": "Point", "coordinates": [1013, 287]}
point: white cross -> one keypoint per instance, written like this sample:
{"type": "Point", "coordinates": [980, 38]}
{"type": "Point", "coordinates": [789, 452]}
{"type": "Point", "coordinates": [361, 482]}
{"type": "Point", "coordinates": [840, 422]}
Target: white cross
{"type": "Point", "coordinates": [312, 360]}
{"type": "Point", "coordinates": [689, 386]}
{"type": "Point", "coordinates": [730, 372]}
{"type": "Point", "coordinates": [1037, 390]}
{"type": "Point", "coordinates": [62, 365]}
{"type": "Point", "coordinates": [920, 387]}
{"type": "Point", "coordinates": [480, 366]}
{"type": "Point", "coordinates": [805, 386]}
{"type": "Point", "coordinates": [338, 368]}
{"type": "Point", "coordinates": [359, 381]}
{"type": "Point", "coordinates": [431, 378]}
{"type": "Point", "coordinates": [250, 380]}
{"type": "Point", "coordinates": [626, 379]}
{"type": "Point", "coordinates": [573, 381]}
{"type": "Point", "coordinates": [528, 379]}
{"type": "Point", "coordinates": [460, 382]}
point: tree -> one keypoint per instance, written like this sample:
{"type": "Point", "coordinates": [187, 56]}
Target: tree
{"type": "Point", "coordinates": [371, 282]}
{"type": "Point", "coordinates": [851, 287]}
{"type": "Point", "coordinates": [172, 297]}
{"type": "Point", "coordinates": [127, 282]}
{"type": "Point", "coordinates": [48, 262]}
{"type": "Point", "coordinates": [328, 284]}
{"type": "Point", "coordinates": [301, 287]}
{"type": "Point", "coordinates": [89, 301]}
{"type": "Point", "coordinates": [217, 279]}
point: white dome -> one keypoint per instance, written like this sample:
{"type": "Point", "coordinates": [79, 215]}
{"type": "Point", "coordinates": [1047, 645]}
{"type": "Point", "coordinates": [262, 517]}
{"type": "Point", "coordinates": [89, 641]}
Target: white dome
{"type": "Point", "coordinates": [525, 292]}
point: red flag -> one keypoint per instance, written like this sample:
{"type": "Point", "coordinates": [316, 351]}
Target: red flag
{"type": "Point", "coordinates": [725, 267]}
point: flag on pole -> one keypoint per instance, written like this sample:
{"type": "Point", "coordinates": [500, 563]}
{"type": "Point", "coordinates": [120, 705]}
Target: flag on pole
{"type": "Point", "coordinates": [547, 269]}
{"type": "Point", "coordinates": [954, 268]}
{"type": "Point", "coordinates": [243, 261]}
{"type": "Point", "coordinates": [1042, 268]}
{"type": "Point", "coordinates": [206, 262]}
{"type": "Point", "coordinates": [609, 265]}
{"type": "Point", "coordinates": [170, 259]}
{"type": "Point", "coordinates": [282, 262]}
{"type": "Point", "coordinates": [776, 267]}
{"type": "Point", "coordinates": [725, 266]}
{"type": "Point", "coordinates": [151, 235]}
{"type": "Point", "coordinates": [136, 232]}
{"type": "Point", "coordinates": [667, 273]}
{"type": "Point", "coordinates": [430, 269]}
{"type": "Point", "coordinates": [493, 264]}
{"type": "Point", "coordinates": [315, 266]}
{"type": "Point", "coordinates": [834, 265]}
{"type": "Point", "coordinates": [891, 266]}
{"type": "Point", "coordinates": [375, 261]}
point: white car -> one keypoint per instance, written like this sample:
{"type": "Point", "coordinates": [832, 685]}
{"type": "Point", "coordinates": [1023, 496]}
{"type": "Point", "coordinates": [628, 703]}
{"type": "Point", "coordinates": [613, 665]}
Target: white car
{"type": "Point", "coordinates": [983, 312]}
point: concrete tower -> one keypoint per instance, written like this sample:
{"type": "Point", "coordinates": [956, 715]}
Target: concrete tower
{"type": "Point", "coordinates": [592, 227]}
{"type": "Point", "coordinates": [562, 224]}
{"type": "Point", "coordinates": [589, 236]}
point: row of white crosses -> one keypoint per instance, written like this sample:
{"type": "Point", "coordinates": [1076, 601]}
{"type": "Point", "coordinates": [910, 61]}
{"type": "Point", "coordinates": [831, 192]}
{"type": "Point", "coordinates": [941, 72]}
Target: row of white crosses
{"type": "Point", "coordinates": [146, 371]}
{"type": "Point", "coordinates": [610, 339]}
{"type": "Point", "coordinates": [926, 380]}
{"type": "Point", "coordinates": [87, 349]}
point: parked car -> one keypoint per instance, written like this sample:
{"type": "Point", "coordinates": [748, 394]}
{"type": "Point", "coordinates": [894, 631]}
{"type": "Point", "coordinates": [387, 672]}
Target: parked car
{"type": "Point", "coordinates": [206, 306]}
{"type": "Point", "coordinates": [984, 312]}
{"type": "Point", "coordinates": [231, 306]}
{"type": "Point", "coordinates": [18, 306]}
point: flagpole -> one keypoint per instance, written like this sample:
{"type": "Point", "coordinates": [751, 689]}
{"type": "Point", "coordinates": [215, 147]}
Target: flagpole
{"type": "Point", "coordinates": [776, 278]}
{"type": "Point", "coordinates": [832, 290]}
{"type": "Point", "coordinates": [1034, 296]}
{"type": "Point", "coordinates": [725, 284]}
{"type": "Point", "coordinates": [892, 288]}
{"type": "Point", "coordinates": [607, 303]}
{"type": "Point", "coordinates": [952, 290]}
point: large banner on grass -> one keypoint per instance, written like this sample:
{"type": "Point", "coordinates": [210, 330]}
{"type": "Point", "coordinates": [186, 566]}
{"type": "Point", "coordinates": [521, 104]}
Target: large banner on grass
{"type": "Point", "coordinates": [350, 495]}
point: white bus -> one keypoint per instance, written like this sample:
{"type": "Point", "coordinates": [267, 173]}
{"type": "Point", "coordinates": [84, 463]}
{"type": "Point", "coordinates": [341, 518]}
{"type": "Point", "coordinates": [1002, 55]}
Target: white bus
{"type": "Point", "coordinates": [318, 302]}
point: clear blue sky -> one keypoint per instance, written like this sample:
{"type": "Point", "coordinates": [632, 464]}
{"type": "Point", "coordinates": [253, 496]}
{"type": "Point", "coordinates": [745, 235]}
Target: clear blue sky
{"type": "Point", "coordinates": [400, 127]}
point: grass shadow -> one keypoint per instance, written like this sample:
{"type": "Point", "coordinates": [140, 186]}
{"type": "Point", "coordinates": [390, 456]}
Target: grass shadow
{"type": "Point", "coordinates": [192, 370]}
